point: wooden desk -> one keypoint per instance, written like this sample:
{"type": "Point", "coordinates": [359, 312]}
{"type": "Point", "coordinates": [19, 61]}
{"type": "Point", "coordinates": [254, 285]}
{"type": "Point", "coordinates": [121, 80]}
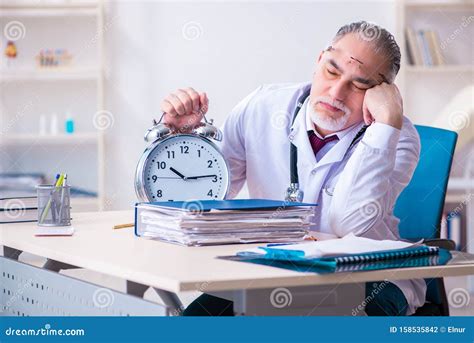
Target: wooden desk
{"type": "Point", "coordinates": [171, 268]}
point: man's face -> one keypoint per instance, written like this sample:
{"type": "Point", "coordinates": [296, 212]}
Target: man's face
{"type": "Point", "coordinates": [343, 74]}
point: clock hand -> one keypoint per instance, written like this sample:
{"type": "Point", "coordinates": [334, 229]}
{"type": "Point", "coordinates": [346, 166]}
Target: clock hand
{"type": "Point", "coordinates": [178, 173]}
{"type": "Point", "coordinates": [200, 177]}
{"type": "Point", "coordinates": [169, 177]}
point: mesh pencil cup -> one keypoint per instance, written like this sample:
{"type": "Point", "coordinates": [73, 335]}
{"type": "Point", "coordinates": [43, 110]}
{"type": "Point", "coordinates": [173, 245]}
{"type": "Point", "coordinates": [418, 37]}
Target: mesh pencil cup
{"type": "Point", "coordinates": [54, 205]}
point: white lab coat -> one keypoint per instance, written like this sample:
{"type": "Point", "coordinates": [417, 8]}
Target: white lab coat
{"type": "Point", "coordinates": [355, 191]}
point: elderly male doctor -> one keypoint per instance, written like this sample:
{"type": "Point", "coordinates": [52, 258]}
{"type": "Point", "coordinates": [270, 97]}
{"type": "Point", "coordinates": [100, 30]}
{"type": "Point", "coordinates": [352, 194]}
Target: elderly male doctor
{"type": "Point", "coordinates": [355, 175]}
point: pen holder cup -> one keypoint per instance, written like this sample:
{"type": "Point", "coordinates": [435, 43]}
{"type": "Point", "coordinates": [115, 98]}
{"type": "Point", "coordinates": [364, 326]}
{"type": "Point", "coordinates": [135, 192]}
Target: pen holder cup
{"type": "Point", "coordinates": [54, 205]}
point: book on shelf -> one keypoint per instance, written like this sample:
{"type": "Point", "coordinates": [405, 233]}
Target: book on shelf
{"type": "Point", "coordinates": [423, 48]}
{"type": "Point", "coordinates": [454, 226]}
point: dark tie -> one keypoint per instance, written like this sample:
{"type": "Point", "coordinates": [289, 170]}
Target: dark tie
{"type": "Point", "coordinates": [317, 143]}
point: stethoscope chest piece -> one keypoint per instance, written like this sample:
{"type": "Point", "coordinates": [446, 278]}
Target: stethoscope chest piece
{"type": "Point", "coordinates": [294, 194]}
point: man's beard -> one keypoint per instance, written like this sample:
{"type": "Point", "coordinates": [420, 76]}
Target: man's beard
{"type": "Point", "coordinates": [325, 122]}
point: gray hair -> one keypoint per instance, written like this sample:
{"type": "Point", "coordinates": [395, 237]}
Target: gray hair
{"type": "Point", "coordinates": [383, 41]}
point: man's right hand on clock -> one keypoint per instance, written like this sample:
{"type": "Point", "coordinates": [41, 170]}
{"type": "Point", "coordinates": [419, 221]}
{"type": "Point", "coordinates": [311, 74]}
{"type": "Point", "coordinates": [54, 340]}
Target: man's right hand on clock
{"type": "Point", "coordinates": [184, 108]}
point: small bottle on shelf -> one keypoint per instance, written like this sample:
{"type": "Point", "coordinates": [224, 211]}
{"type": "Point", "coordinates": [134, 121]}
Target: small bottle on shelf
{"type": "Point", "coordinates": [54, 124]}
{"type": "Point", "coordinates": [69, 124]}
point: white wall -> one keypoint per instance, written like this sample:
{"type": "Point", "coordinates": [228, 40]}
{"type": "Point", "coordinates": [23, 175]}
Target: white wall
{"type": "Point", "coordinates": [238, 46]}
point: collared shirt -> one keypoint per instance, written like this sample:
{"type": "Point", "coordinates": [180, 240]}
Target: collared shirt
{"type": "Point", "coordinates": [310, 127]}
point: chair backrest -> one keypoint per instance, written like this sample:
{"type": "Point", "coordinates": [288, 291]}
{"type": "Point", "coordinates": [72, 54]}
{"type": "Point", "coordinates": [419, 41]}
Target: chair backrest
{"type": "Point", "coordinates": [420, 205]}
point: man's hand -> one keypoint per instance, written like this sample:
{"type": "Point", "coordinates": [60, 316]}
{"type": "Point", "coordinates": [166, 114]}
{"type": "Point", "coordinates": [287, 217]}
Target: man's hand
{"type": "Point", "coordinates": [383, 104]}
{"type": "Point", "coordinates": [184, 109]}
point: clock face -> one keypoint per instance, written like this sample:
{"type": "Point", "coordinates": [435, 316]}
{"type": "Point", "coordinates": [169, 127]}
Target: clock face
{"type": "Point", "coordinates": [185, 167]}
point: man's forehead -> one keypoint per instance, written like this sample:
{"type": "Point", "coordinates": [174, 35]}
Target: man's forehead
{"type": "Point", "coordinates": [367, 68]}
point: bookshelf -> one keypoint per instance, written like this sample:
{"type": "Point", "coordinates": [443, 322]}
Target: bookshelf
{"type": "Point", "coordinates": [29, 91]}
{"type": "Point", "coordinates": [428, 90]}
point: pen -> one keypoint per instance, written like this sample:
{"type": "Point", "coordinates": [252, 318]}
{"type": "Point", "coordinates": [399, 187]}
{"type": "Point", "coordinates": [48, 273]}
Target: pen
{"type": "Point", "coordinates": [61, 204]}
{"type": "Point", "coordinates": [122, 226]}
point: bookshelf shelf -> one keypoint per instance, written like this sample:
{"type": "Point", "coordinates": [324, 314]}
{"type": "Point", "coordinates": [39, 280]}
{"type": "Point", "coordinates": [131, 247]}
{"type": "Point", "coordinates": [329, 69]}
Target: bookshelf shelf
{"type": "Point", "coordinates": [440, 69]}
{"type": "Point", "coordinates": [444, 4]}
{"type": "Point", "coordinates": [49, 75]}
{"type": "Point", "coordinates": [62, 139]}
{"type": "Point", "coordinates": [48, 12]}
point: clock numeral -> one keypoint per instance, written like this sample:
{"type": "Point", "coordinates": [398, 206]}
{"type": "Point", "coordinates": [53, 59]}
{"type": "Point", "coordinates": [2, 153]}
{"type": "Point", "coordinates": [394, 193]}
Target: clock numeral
{"type": "Point", "coordinates": [170, 154]}
{"type": "Point", "coordinates": [161, 165]}
{"type": "Point", "coordinates": [184, 149]}
{"type": "Point", "coordinates": [214, 179]}
{"type": "Point", "coordinates": [209, 163]}
{"type": "Point", "coordinates": [210, 193]}
{"type": "Point", "coordinates": [154, 178]}
{"type": "Point", "coordinates": [159, 193]}
{"type": "Point", "coordinates": [199, 153]}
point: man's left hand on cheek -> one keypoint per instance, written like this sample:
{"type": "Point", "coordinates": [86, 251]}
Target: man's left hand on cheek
{"type": "Point", "coordinates": [383, 104]}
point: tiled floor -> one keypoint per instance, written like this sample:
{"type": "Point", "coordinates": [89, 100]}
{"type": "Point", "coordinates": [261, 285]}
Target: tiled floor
{"type": "Point", "coordinates": [461, 301]}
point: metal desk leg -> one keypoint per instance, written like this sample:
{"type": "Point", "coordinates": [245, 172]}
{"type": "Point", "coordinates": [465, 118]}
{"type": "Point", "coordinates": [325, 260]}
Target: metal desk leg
{"type": "Point", "coordinates": [56, 266]}
{"type": "Point", "coordinates": [136, 289]}
{"type": "Point", "coordinates": [11, 253]}
{"type": "Point", "coordinates": [172, 301]}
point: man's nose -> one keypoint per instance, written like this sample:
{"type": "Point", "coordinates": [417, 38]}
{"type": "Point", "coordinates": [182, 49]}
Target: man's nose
{"type": "Point", "coordinates": [338, 91]}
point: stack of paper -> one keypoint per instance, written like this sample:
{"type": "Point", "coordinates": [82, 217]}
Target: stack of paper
{"type": "Point", "coordinates": [209, 222]}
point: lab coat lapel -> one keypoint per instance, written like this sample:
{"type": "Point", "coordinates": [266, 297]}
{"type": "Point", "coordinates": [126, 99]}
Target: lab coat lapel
{"type": "Point", "coordinates": [299, 137]}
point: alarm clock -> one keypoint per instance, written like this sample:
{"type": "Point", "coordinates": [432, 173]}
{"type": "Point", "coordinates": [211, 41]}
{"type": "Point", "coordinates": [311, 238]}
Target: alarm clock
{"type": "Point", "coordinates": [182, 166]}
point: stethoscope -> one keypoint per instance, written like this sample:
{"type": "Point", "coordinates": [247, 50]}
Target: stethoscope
{"type": "Point", "coordinates": [294, 193]}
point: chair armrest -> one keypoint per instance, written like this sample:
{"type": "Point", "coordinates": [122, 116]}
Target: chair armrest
{"type": "Point", "coordinates": [447, 244]}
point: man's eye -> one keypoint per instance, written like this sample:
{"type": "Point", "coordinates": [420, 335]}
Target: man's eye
{"type": "Point", "coordinates": [360, 89]}
{"type": "Point", "coordinates": [331, 72]}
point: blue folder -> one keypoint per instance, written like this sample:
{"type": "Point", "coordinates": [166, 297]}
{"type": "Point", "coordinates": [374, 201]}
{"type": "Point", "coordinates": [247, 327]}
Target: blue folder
{"type": "Point", "coordinates": [234, 204]}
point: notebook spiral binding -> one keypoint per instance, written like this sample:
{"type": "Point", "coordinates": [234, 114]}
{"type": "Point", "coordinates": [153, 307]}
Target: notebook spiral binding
{"type": "Point", "coordinates": [374, 257]}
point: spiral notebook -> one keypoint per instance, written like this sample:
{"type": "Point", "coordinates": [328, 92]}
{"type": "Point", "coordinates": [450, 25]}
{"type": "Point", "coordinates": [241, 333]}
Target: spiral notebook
{"type": "Point", "coordinates": [350, 253]}
{"type": "Point", "coordinates": [333, 261]}
{"type": "Point", "coordinates": [419, 258]}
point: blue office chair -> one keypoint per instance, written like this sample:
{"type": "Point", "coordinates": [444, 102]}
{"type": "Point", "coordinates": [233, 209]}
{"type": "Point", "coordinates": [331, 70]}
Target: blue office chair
{"type": "Point", "coordinates": [421, 203]}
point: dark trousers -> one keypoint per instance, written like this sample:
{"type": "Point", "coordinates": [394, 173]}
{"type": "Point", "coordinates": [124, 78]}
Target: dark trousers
{"type": "Point", "coordinates": [382, 299]}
